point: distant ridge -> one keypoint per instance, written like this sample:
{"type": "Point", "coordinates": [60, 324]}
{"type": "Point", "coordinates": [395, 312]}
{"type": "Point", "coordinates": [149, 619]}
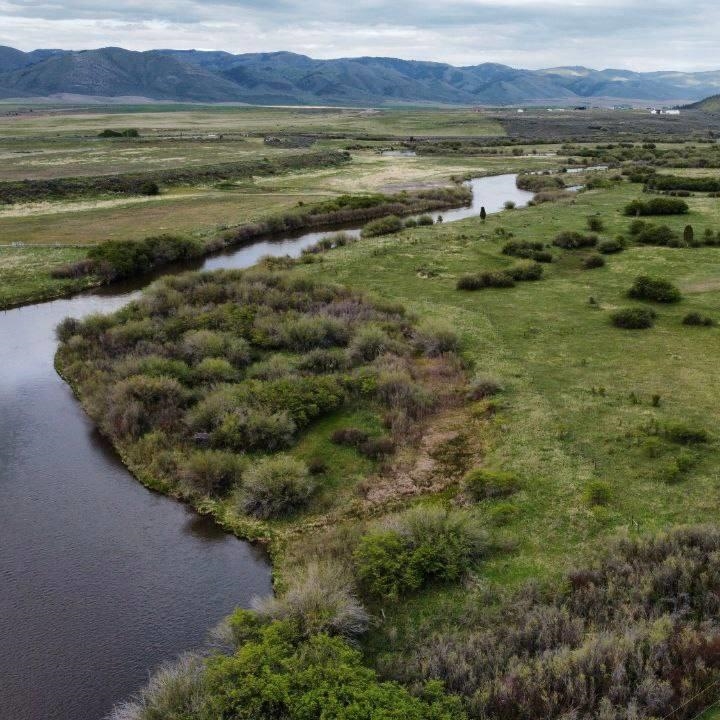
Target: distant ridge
{"type": "Point", "coordinates": [287, 78]}
{"type": "Point", "coordinates": [708, 104]}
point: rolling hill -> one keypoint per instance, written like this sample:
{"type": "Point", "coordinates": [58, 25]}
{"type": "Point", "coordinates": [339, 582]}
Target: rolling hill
{"type": "Point", "coordinates": [288, 78]}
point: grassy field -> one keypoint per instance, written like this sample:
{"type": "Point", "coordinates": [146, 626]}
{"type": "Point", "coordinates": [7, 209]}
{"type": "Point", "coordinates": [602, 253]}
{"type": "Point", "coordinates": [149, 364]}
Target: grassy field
{"type": "Point", "coordinates": [185, 122]}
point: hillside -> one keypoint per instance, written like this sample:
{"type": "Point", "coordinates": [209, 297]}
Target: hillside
{"type": "Point", "coordinates": [287, 78]}
{"type": "Point", "coordinates": [709, 104]}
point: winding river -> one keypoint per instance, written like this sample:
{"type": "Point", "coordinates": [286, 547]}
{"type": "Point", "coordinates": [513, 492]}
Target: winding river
{"type": "Point", "coordinates": [100, 579]}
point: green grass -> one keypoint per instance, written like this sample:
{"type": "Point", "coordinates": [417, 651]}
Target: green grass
{"type": "Point", "coordinates": [567, 417]}
{"type": "Point", "coordinates": [450, 122]}
{"type": "Point", "coordinates": [25, 274]}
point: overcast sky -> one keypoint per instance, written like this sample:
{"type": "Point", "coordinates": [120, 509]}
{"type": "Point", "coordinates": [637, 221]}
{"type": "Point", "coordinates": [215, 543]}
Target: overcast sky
{"type": "Point", "coordinates": [634, 34]}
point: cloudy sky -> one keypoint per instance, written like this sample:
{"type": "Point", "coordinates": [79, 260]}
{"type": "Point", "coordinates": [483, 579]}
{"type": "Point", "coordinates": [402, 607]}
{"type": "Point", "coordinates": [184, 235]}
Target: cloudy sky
{"type": "Point", "coordinates": [635, 34]}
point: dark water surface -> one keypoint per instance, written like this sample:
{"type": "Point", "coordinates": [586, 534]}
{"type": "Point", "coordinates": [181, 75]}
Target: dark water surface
{"type": "Point", "coordinates": [100, 579]}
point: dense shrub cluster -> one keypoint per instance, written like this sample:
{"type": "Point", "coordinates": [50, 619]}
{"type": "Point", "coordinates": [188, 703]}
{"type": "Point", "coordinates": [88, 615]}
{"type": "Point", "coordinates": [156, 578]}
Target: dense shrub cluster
{"type": "Point", "coordinates": [657, 206]}
{"type": "Point", "coordinates": [655, 290]}
{"type": "Point", "coordinates": [204, 368]}
{"type": "Point", "coordinates": [675, 182]}
{"type": "Point", "coordinates": [272, 670]}
{"type": "Point", "coordinates": [571, 240]}
{"type": "Point", "coordinates": [634, 636]}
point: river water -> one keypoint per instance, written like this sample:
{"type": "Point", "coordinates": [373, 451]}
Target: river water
{"type": "Point", "coordinates": [101, 579]}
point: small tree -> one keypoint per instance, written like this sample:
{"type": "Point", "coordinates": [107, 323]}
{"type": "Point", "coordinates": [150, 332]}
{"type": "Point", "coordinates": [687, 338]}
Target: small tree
{"type": "Point", "coordinates": [483, 213]}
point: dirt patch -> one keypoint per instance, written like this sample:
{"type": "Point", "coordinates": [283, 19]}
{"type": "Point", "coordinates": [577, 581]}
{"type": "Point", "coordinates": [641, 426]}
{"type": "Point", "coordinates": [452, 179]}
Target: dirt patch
{"type": "Point", "coordinates": [451, 446]}
{"type": "Point", "coordinates": [703, 286]}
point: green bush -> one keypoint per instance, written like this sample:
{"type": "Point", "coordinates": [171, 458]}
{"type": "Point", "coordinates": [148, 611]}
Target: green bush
{"type": "Point", "coordinates": [598, 492]}
{"type": "Point", "coordinates": [657, 206]}
{"type": "Point", "coordinates": [422, 546]}
{"type": "Point", "coordinates": [609, 247]}
{"type": "Point", "coordinates": [382, 226]}
{"type": "Point", "coordinates": [695, 318]}
{"type": "Point", "coordinates": [527, 251]}
{"type": "Point", "coordinates": [351, 437]}
{"type": "Point", "coordinates": [654, 289]}
{"type": "Point", "coordinates": [275, 674]}
{"type": "Point", "coordinates": [660, 235]}
{"type": "Point", "coordinates": [318, 599]}
{"type": "Point", "coordinates": [377, 448]}
{"type": "Point", "coordinates": [484, 484]}
{"type": "Point", "coordinates": [526, 271]}
{"type": "Point", "coordinates": [633, 318]}
{"type": "Point", "coordinates": [275, 487]}
{"type": "Point", "coordinates": [425, 220]}
{"type": "Point", "coordinates": [593, 261]}
{"type": "Point", "coordinates": [684, 434]}
{"type": "Point", "coordinates": [595, 224]}
{"type": "Point", "coordinates": [571, 240]}
{"type": "Point", "coordinates": [436, 337]}
{"type": "Point", "coordinates": [211, 472]}
{"type": "Point", "coordinates": [480, 281]}
{"type": "Point", "coordinates": [483, 386]}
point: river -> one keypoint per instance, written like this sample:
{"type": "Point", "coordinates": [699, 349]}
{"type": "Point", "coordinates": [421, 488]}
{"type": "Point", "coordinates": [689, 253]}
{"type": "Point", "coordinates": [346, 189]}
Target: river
{"type": "Point", "coordinates": [100, 579]}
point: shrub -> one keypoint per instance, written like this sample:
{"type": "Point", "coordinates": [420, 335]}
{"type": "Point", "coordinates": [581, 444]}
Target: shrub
{"type": "Point", "coordinates": [595, 224]}
{"type": "Point", "coordinates": [274, 487]}
{"type": "Point", "coordinates": [484, 484]}
{"type": "Point", "coordinates": [657, 206]}
{"type": "Point", "coordinates": [215, 370]}
{"type": "Point", "coordinates": [422, 546]}
{"type": "Point", "coordinates": [526, 271]}
{"type": "Point", "coordinates": [319, 599]}
{"type": "Point", "coordinates": [436, 337]}
{"type": "Point", "coordinates": [425, 220]}
{"type": "Point", "coordinates": [377, 448]}
{"type": "Point", "coordinates": [352, 437]}
{"type": "Point", "coordinates": [654, 289]}
{"type": "Point", "coordinates": [382, 226]}
{"type": "Point", "coordinates": [175, 690]}
{"type": "Point", "coordinates": [277, 675]}
{"type": "Point", "coordinates": [633, 318]}
{"type": "Point", "coordinates": [598, 493]}
{"type": "Point", "coordinates": [211, 472]}
{"type": "Point", "coordinates": [571, 240]}
{"type": "Point", "coordinates": [320, 361]}
{"type": "Point", "coordinates": [398, 391]}
{"type": "Point", "coordinates": [609, 247]}
{"type": "Point", "coordinates": [593, 261]}
{"type": "Point", "coordinates": [528, 251]}
{"type": "Point", "coordinates": [660, 235]}
{"type": "Point", "coordinates": [684, 434]}
{"type": "Point", "coordinates": [494, 279]}
{"type": "Point", "coordinates": [695, 318]}
{"type": "Point", "coordinates": [369, 343]}
{"type": "Point", "coordinates": [509, 204]}
{"type": "Point", "coordinates": [484, 386]}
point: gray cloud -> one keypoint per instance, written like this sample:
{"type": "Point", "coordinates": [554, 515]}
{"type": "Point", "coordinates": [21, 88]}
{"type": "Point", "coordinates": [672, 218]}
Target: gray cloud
{"type": "Point", "coordinates": [524, 33]}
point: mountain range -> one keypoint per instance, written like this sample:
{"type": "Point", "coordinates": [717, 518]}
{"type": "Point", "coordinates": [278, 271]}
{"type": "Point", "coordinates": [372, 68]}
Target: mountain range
{"type": "Point", "coordinates": [284, 78]}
